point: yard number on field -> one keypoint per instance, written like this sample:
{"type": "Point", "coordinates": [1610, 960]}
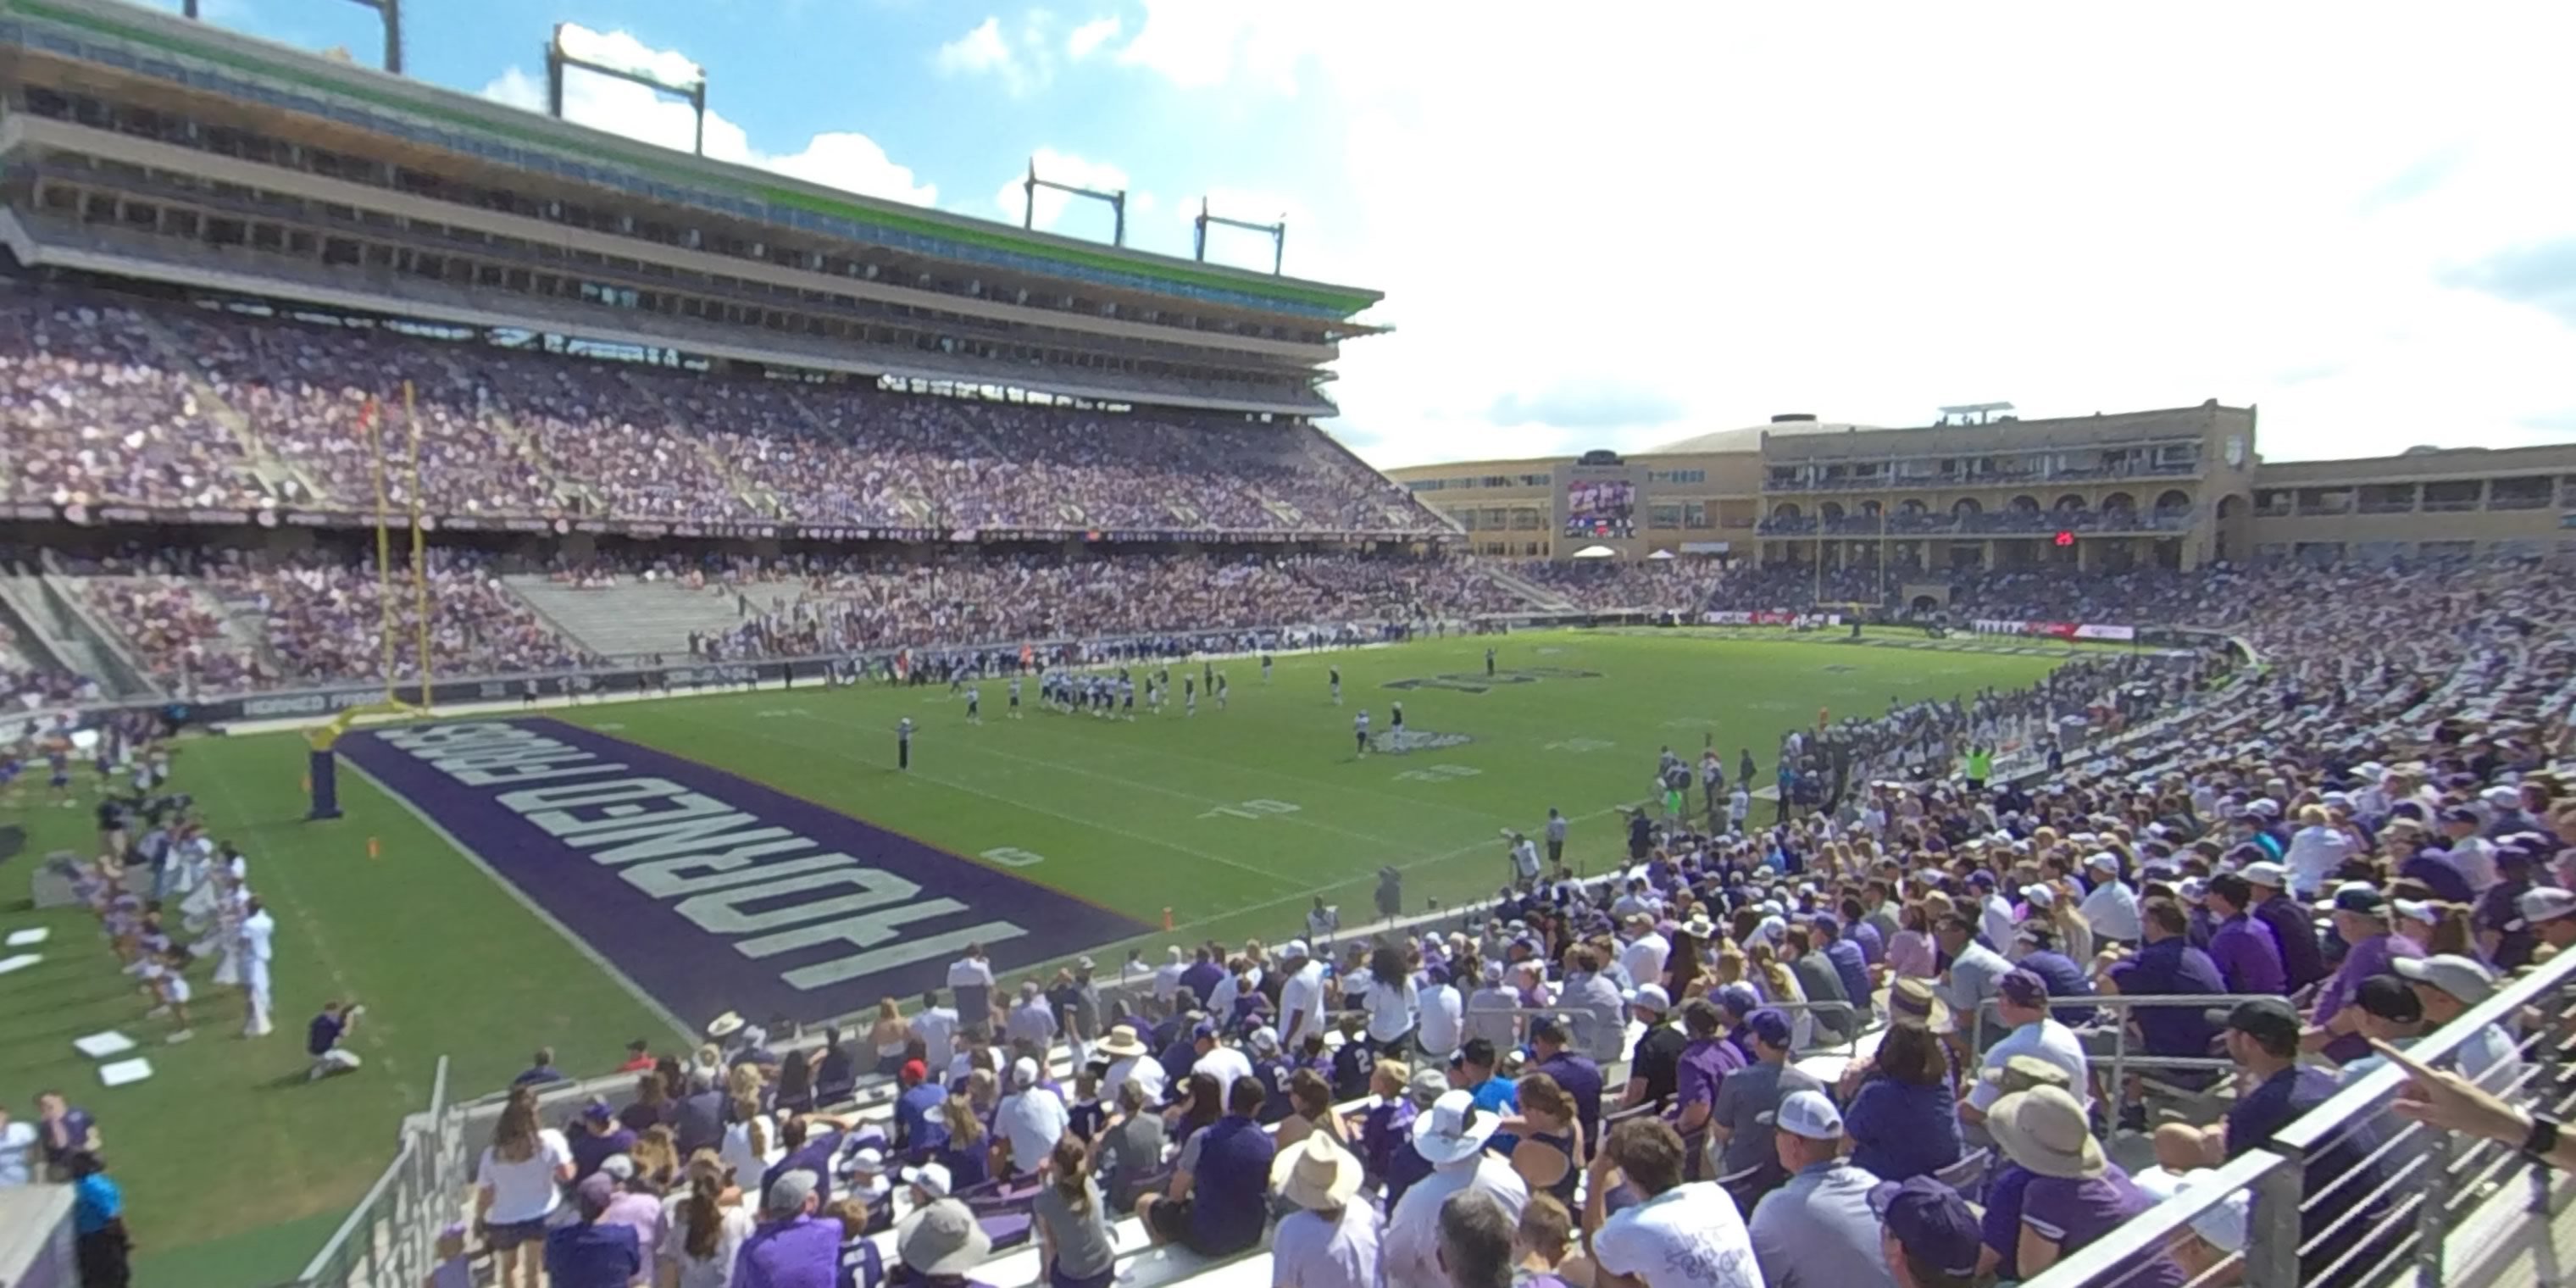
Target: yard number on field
{"type": "Point", "coordinates": [1251, 809]}
{"type": "Point", "coordinates": [1012, 856]}
{"type": "Point", "coordinates": [1438, 773]}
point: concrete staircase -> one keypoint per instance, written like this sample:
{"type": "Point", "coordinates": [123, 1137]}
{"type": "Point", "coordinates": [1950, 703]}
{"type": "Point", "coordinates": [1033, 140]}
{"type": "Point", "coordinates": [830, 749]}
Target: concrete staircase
{"type": "Point", "coordinates": [758, 498]}
{"type": "Point", "coordinates": [275, 474]}
{"type": "Point", "coordinates": [630, 618]}
{"type": "Point", "coordinates": [1540, 597]}
{"type": "Point", "coordinates": [494, 415]}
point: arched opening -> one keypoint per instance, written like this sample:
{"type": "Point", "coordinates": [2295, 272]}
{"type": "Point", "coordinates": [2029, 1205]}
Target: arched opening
{"type": "Point", "coordinates": [2175, 498]}
{"type": "Point", "coordinates": [1785, 510]}
{"type": "Point", "coordinates": [1830, 511]}
{"type": "Point", "coordinates": [1911, 507]}
{"type": "Point", "coordinates": [2070, 501]}
{"type": "Point", "coordinates": [1869, 509]}
{"type": "Point", "coordinates": [2023, 504]}
{"type": "Point", "coordinates": [1925, 604]}
{"type": "Point", "coordinates": [2121, 502]}
{"type": "Point", "coordinates": [1966, 506]}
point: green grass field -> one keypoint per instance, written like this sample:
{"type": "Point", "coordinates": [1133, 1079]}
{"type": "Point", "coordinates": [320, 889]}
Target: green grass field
{"type": "Point", "coordinates": [236, 1170]}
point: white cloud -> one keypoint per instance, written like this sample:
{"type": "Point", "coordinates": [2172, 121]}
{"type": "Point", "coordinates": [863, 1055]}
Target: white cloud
{"type": "Point", "coordinates": [1022, 56]}
{"type": "Point", "coordinates": [838, 159]}
{"type": "Point", "coordinates": [1752, 212]}
{"type": "Point", "coordinates": [1063, 167]}
{"type": "Point", "coordinates": [1090, 36]}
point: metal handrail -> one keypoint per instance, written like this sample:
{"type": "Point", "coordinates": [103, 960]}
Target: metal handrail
{"type": "Point", "coordinates": [2275, 1169]}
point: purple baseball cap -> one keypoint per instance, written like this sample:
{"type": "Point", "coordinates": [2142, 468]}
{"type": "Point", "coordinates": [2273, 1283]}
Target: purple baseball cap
{"type": "Point", "coordinates": [2022, 988]}
{"type": "Point", "coordinates": [1770, 1024]}
{"type": "Point", "coordinates": [1931, 1222]}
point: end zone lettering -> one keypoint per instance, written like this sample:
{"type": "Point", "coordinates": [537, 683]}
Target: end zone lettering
{"type": "Point", "coordinates": [712, 892]}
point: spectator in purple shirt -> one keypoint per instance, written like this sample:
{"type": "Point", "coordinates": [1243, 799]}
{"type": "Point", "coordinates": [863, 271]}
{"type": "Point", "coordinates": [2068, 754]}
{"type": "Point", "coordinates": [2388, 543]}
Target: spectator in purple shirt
{"type": "Point", "coordinates": [1574, 1072]}
{"type": "Point", "coordinates": [2293, 926]}
{"type": "Point", "coordinates": [2247, 952]}
{"type": "Point", "coordinates": [1705, 1063]}
{"type": "Point", "coordinates": [790, 1249]}
{"type": "Point", "coordinates": [593, 1253]}
{"type": "Point", "coordinates": [2075, 1194]}
{"type": "Point", "coordinates": [1847, 959]}
{"type": "Point", "coordinates": [1872, 944]}
{"type": "Point", "coordinates": [2165, 965]}
{"type": "Point", "coordinates": [2361, 919]}
{"type": "Point", "coordinates": [600, 1137]}
{"type": "Point", "coordinates": [65, 1131]}
{"type": "Point", "coordinates": [1202, 976]}
{"type": "Point", "coordinates": [2435, 870]}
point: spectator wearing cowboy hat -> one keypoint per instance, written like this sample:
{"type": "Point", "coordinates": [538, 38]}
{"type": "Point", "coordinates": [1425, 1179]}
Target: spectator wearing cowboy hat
{"type": "Point", "coordinates": [1129, 1060]}
{"type": "Point", "coordinates": [938, 1244]}
{"type": "Point", "coordinates": [1329, 1241]}
{"type": "Point", "coordinates": [1928, 1234]}
{"type": "Point", "coordinates": [1817, 1228]}
{"type": "Point", "coordinates": [1451, 1136]}
{"type": "Point", "coordinates": [2075, 1194]}
{"type": "Point", "coordinates": [2448, 985]}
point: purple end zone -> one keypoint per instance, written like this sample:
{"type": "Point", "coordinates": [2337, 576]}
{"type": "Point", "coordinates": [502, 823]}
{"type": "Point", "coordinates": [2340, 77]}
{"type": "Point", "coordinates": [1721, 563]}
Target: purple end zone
{"type": "Point", "coordinates": [712, 892]}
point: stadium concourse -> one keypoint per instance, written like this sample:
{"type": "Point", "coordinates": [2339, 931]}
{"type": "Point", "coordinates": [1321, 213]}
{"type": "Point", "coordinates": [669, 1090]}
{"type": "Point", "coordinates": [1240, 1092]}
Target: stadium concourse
{"type": "Point", "coordinates": [1955, 1026]}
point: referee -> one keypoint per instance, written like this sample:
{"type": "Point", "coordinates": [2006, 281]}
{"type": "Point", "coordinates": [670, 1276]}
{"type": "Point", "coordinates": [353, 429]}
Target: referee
{"type": "Point", "coordinates": [903, 743]}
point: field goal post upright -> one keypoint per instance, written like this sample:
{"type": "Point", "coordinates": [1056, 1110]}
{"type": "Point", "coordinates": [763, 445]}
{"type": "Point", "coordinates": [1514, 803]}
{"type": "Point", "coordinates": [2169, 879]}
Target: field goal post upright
{"type": "Point", "coordinates": [322, 767]}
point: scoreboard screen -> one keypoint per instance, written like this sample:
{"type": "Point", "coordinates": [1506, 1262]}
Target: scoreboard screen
{"type": "Point", "coordinates": [1601, 508]}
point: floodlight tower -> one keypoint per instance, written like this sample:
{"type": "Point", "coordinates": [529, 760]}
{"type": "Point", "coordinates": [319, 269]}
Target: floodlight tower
{"type": "Point", "coordinates": [388, 10]}
{"type": "Point", "coordinates": [584, 54]}
{"type": "Point", "coordinates": [1029, 210]}
{"type": "Point", "coordinates": [1278, 230]}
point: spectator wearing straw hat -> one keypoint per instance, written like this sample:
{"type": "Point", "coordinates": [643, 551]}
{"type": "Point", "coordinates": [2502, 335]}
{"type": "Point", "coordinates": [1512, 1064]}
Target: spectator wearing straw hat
{"type": "Point", "coordinates": [1329, 1241]}
{"type": "Point", "coordinates": [2075, 1194]}
{"type": "Point", "coordinates": [1451, 1136]}
{"type": "Point", "coordinates": [939, 1244]}
{"type": "Point", "coordinates": [1130, 1060]}
{"type": "Point", "coordinates": [791, 1248]}
{"type": "Point", "coordinates": [1817, 1227]}
{"type": "Point", "coordinates": [1928, 1234]}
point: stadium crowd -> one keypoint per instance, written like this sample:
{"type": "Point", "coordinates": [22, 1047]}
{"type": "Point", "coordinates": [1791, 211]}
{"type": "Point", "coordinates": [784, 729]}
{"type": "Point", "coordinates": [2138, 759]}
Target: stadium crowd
{"type": "Point", "coordinates": [109, 413]}
{"type": "Point", "coordinates": [1657, 585]}
{"type": "Point", "coordinates": [1594, 1082]}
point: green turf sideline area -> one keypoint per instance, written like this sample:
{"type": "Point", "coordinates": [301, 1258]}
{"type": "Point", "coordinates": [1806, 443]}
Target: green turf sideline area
{"type": "Point", "coordinates": [1233, 819]}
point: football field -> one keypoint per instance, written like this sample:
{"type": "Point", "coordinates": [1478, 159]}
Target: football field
{"type": "Point", "coordinates": [577, 877]}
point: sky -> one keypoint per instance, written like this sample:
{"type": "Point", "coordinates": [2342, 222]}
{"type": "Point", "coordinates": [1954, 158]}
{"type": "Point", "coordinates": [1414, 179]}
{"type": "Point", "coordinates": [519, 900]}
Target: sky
{"type": "Point", "coordinates": [1620, 225]}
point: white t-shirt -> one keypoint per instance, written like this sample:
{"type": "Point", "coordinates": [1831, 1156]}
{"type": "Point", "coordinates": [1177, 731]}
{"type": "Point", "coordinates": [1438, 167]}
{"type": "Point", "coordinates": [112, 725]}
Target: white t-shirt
{"type": "Point", "coordinates": [1309, 1252]}
{"type": "Point", "coordinates": [1302, 995]}
{"type": "Point", "coordinates": [936, 1027]}
{"type": "Point", "coordinates": [256, 932]}
{"type": "Point", "coordinates": [2112, 911]}
{"type": "Point", "coordinates": [1390, 1011]}
{"type": "Point", "coordinates": [968, 972]}
{"type": "Point", "coordinates": [1644, 956]}
{"type": "Point", "coordinates": [525, 1190]}
{"type": "Point", "coordinates": [1143, 1070]}
{"type": "Point", "coordinates": [2048, 1040]}
{"type": "Point", "coordinates": [17, 1154]}
{"type": "Point", "coordinates": [1225, 1064]}
{"type": "Point", "coordinates": [733, 1225]}
{"type": "Point", "coordinates": [1689, 1236]}
{"type": "Point", "coordinates": [1442, 1012]}
{"type": "Point", "coordinates": [1033, 1121]}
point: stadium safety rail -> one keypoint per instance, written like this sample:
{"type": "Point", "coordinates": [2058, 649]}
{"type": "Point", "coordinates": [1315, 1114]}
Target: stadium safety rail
{"type": "Point", "coordinates": [2392, 1200]}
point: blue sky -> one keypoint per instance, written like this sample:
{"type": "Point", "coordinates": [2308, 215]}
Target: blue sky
{"type": "Point", "coordinates": [1653, 220]}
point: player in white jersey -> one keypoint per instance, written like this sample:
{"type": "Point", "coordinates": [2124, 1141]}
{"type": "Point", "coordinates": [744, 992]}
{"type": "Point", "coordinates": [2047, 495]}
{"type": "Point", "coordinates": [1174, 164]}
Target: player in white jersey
{"type": "Point", "coordinates": [1359, 727]}
{"type": "Point", "coordinates": [974, 705]}
{"type": "Point", "coordinates": [1127, 698]}
{"type": "Point", "coordinates": [1015, 697]}
{"type": "Point", "coordinates": [1189, 698]}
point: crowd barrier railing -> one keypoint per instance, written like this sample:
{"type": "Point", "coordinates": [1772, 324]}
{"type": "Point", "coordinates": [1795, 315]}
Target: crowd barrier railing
{"type": "Point", "coordinates": [389, 1240]}
{"type": "Point", "coordinates": [2123, 1060]}
{"type": "Point", "coordinates": [2378, 1199]}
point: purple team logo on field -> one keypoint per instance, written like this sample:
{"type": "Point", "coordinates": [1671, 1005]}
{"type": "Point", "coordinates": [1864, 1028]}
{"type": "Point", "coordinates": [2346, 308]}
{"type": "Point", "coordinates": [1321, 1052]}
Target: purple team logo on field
{"type": "Point", "coordinates": [710, 891]}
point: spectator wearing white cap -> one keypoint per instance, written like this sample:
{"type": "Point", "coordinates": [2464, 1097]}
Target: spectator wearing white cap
{"type": "Point", "coordinates": [2447, 986]}
{"type": "Point", "coordinates": [1817, 1228]}
{"type": "Point", "coordinates": [2293, 926]}
{"type": "Point", "coordinates": [1329, 1241]}
{"type": "Point", "coordinates": [1030, 1120]}
{"type": "Point", "coordinates": [1682, 1235]}
{"type": "Point", "coordinates": [1654, 1062]}
{"type": "Point", "coordinates": [1443, 1018]}
{"type": "Point", "coordinates": [1450, 1136]}
{"type": "Point", "coordinates": [2110, 908]}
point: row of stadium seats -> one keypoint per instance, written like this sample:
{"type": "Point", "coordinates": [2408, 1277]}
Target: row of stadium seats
{"type": "Point", "coordinates": [115, 401]}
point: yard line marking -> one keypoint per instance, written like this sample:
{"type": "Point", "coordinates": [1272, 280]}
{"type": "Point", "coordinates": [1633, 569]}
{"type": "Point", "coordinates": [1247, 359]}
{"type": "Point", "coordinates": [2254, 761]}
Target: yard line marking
{"type": "Point", "coordinates": [925, 776]}
{"type": "Point", "coordinates": [1325, 783]}
{"type": "Point", "coordinates": [1377, 840]}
